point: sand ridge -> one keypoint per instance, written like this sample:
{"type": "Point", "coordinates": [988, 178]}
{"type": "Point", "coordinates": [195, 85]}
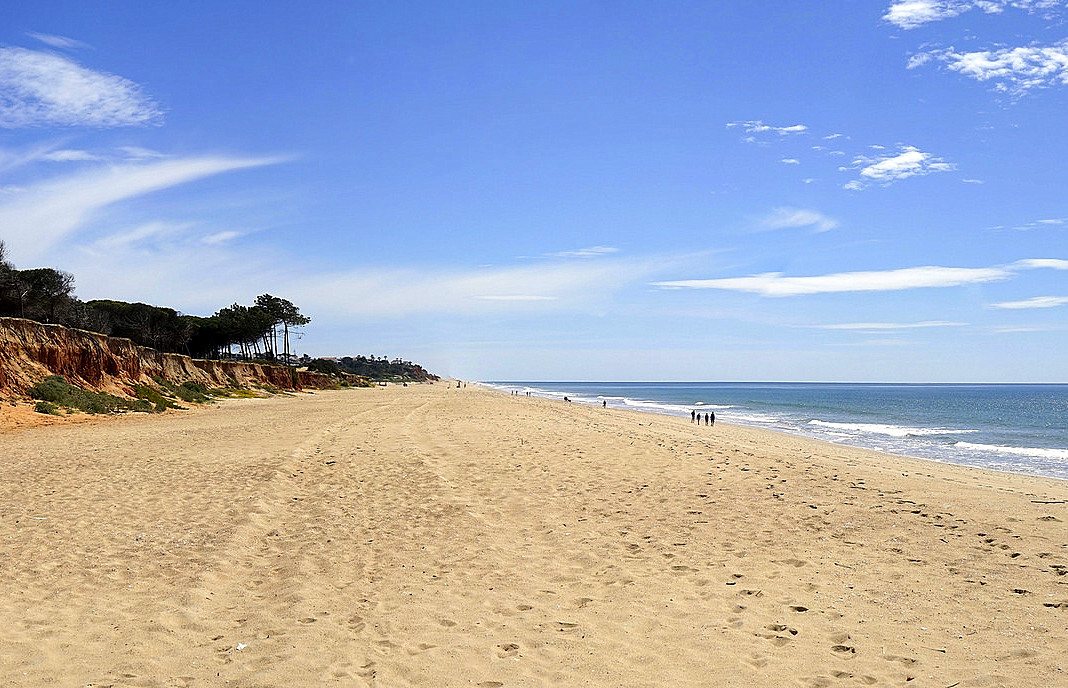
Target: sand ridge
{"type": "Point", "coordinates": [437, 536]}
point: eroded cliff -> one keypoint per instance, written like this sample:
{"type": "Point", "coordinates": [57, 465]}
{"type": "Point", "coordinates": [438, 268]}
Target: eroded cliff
{"type": "Point", "coordinates": [31, 351]}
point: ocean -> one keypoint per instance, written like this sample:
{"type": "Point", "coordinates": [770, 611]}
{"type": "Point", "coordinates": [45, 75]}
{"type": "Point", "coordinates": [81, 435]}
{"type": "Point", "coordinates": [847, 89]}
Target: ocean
{"type": "Point", "coordinates": [1015, 428]}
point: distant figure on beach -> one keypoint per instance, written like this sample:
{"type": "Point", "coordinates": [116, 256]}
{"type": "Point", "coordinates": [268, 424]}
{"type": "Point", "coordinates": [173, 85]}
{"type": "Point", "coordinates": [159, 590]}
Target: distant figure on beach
{"type": "Point", "coordinates": [604, 403]}
{"type": "Point", "coordinates": [566, 399]}
{"type": "Point", "coordinates": [706, 419]}
{"type": "Point", "coordinates": [713, 418]}
{"type": "Point", "coordinates": [693, 415]}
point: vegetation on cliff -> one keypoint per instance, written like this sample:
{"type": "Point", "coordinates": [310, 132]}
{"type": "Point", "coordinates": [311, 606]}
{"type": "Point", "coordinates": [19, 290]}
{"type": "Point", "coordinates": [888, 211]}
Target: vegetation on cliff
{"type": "Point", "coordinates": [377, 369]}
{"type": "Point", "coordinates": [259, 331]}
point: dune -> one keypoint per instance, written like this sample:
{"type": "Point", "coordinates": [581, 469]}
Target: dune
{"type": "Point", "coordinates": [434, 536]}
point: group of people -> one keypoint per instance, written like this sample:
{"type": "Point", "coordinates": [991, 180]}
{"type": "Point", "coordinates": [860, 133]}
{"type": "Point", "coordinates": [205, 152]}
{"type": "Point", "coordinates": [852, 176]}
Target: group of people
{"type": "Point", "coordinates": [710, 417]}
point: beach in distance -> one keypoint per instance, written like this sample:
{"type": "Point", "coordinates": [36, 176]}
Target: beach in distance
{"type": "Point", "coordinates": [431, 535]}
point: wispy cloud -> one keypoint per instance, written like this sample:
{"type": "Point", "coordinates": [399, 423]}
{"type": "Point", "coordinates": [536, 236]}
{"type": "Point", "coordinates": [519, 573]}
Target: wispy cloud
{"type": "Point", "coordinates": [61, 42]}
{"type": "Point", "coordinates": [909, 14]}
{"type": "Point", "coordinates": [559, 286]}
{"type": "Point", "coordinates": [138, 234]}
{"type": "Point", "coordinates": [221, 237]}
{"type": "Point", "coordinates": [45, 89]}
{"type": "Point", "coordinates": [39, 216]}
{"type": "Point", "coordinates": [930, 276]}
{"type": "Point", "coordinates": [884, 326]}
{"type": "Point", "coordinates": [798, 217]}
{"type": "Point", "coordinates": [588, 252]}
{"type": "Point", "coordinates": [790, 161]}
{"type": "Point", "coordinates": [1039, 263]}
{"type": "Point", "coordinates": [758, 127]}
{"type": "Point", "coordinates": [1014, 70]}
{"type": "Point", "coordinates": [138, 153]}
{"type": "Point", "coordinates": [887, 169]}
{"type": "Point", "coordinates": [1034, 302]}
{"type": "Point", "coordinates": [67, 155]}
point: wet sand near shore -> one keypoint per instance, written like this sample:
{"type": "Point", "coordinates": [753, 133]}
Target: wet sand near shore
{"type": "Point", "coordinates": [437, 536]}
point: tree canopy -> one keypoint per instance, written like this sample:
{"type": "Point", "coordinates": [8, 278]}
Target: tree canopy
{"type": "Point", "coordinates": [47, 295]}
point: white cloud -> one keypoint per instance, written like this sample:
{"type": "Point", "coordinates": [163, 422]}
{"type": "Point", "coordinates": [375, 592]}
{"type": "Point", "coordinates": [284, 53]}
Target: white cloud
{"type": "Point", "coordinates": [790, 161]}
{"type": "Point", "coordinates": [138, 234]}
{"type": "Point", "coordinates": [758, 127]}
{"type": "Point", "coordinates": [220, 237]}
{"type": "Point", "coordinates": [69, 156]}
{"type": "Point", "coordinates": [883, 326]}
{"type": "Point", "coordinates": [44, 89]}
{"type": "Point", "coordinates": [38, 217]}
{"type": "Point", "coordinates": [775, 284]}
{"type": "Point", "coordinates": [834, 136]}
{"type": "Point", "coordinates": [798, 217]}
{"type": "Point", "coordinates": [1034, 302]}
{"type": "Point", "coordinates": [1052, 221]}
{"type": "Point", "coordinates": [138, 153]}
{"type": "Point", "coordinates": [928, 276]}
{"type": "Point", "coordinates": [588, 252]}
{"type": "Point", "coordinates": [56, 41]}
{"type": "Point", "coordinates": [909, 14]}
{"type": "Point", "coordinates": [1012, 70]}
{"type": "Point", "coordinates": [972, 181]}
{"type": "Point", "coordinates": [551, 285]}
{"type": "Point", "coordinates": [885, 170]}
{"type": "Point", "coordinates": [1037, 263]}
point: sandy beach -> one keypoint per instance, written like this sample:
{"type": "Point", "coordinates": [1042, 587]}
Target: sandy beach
{"type": "Point", "coordinates": [434, 536]}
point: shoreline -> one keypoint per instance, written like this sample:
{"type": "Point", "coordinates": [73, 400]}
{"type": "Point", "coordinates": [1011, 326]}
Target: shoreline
{"type": "Point", "coordinates": [875, 443]}
{"type": "Point", "coordinates": [427, 535]}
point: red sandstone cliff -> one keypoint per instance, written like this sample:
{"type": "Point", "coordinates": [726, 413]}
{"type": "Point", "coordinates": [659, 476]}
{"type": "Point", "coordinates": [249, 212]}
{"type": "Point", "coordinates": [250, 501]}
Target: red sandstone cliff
{"type": "Point", "coordinates": [31, 351]}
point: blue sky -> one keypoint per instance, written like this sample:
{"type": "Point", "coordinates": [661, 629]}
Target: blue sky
{"type": "Point", "coordinates": [843, 190]}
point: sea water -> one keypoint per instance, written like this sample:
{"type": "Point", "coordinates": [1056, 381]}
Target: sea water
{"type": "Point", "coordinates": [1017, 428]}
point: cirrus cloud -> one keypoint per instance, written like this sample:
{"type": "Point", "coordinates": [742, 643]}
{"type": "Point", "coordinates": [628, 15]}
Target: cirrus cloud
{"type": "Point", "coordinates": [44, 89]}
{"type": "Point", "coordinates": [1034, 302]}
{"type": "Point", "coordinates": [782, 218]}
{"type": "Point", "coordinates": [775, 284]}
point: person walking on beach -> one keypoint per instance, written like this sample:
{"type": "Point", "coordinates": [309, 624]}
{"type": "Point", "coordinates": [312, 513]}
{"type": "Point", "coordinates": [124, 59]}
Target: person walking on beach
{"type": "Point", "coordinates": [706, 419]}
{"type": "Point", "coordinates": [604, 403]}
{"type": "Point", "coordinates": [713, 418]}
{"type": "Point", "coordinates": [693, 414]}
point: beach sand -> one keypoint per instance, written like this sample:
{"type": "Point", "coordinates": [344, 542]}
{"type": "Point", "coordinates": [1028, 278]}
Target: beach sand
{"type": "Point", "coordinates": [434, 536]}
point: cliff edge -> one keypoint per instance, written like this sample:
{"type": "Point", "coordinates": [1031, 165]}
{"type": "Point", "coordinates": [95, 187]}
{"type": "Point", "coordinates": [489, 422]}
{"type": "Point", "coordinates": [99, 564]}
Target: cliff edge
{"type": "Point", "coordinates": [31, 351]}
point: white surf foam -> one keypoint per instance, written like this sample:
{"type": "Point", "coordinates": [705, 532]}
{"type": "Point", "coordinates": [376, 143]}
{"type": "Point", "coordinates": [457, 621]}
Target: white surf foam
{"type": "Point", "coordinates": [889, 430]}
{"type": "Point", "coordinates": [1037, 452]}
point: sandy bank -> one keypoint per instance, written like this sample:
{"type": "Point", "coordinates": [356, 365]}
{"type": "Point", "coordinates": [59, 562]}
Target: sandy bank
{"type": "Point", "coordinates": [442, 537]}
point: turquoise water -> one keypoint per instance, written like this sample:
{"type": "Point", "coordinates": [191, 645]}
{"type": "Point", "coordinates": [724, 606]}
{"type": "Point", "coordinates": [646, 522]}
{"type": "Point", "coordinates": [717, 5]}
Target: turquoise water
{"type": "Point", "coordinates": [1017, 428]}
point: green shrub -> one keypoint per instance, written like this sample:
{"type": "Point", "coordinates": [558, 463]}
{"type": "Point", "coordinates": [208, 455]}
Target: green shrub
{"type": "Point", "coordinates": [46, 407]}
{"type": "Point", "coordinates": [57, 391]}
{"type": "Point", "coordinates": [160, 403]}
{"type": "Point", "coordinates": [192, 392]}
{"type": "Point", "coordinates": [53, 388]}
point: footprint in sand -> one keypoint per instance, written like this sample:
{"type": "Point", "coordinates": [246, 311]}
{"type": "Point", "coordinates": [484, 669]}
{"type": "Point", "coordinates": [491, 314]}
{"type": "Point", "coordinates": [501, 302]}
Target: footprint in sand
{"type": "Point", "coordinates": [508, 650]}
{"type": "Point", "coordinates": [847, 651]}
